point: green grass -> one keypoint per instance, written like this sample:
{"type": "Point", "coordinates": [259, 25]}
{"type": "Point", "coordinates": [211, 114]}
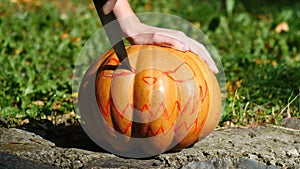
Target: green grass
{"type": "Point", "coordinates": [40, 40]}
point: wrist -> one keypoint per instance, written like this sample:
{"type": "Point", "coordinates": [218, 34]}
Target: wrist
{"type": "Point", "coordinates": [130, 25]}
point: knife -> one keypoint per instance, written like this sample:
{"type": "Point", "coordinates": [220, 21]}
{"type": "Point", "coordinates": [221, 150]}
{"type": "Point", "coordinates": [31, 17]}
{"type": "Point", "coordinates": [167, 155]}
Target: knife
{"type": "Point", "coordinates": [114, 33]}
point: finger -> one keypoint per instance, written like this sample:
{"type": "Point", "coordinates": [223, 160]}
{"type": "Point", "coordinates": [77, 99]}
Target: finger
{"type": "Point", "coordinates": [192, 45]}
{"type": "Point", "coordinates": [200, 50]}
{"type": "Point", "coordinates": [168, 41]}
{"type": "Point", "coordinates": [196, 47]}
{"type": "Point", "coordinates": [108, 6]}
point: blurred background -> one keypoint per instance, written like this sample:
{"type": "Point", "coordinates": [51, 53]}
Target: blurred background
{"type": "Point", "coordinates": [258, 42]}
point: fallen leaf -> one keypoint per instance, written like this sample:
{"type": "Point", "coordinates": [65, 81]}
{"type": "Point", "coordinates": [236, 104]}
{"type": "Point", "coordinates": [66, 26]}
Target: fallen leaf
{"type": "Point", "coordinates": [274, 63]}
{"type": "Point", "coordinates": [283, 26]}
{"type": "Point", "coordinates": [197, 24]}
{"type": "Point", "coordinates": [91, 6]}
{"type": "Point", "coordinates": [56, 106]}
{"type": "Point", "coordinates": [18, 51]}
{"type": "Point", "coordinates": [148, 6]}
{"type": "Point", "coordinates": [64, 36]}
{"type": "Point", "coordinates": [75, 94]}
{"type": "Point", "coordinates": [258, 61]}
{"type": "Point", "coordinates": [75, 39]}
{"type": "Point", "coordinates": [39, 103]}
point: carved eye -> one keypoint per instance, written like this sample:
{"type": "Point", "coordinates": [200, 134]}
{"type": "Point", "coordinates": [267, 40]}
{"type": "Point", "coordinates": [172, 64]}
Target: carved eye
{"type": "Point", "coordinates": [149, 80]}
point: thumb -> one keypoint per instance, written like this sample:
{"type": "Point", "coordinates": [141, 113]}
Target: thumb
{"type": "Point", "coordinates": [108, 6]}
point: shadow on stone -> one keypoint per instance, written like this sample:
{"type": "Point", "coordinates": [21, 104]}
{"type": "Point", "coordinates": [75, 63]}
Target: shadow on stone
{"type": "Point", "coordinates": [72, 136]}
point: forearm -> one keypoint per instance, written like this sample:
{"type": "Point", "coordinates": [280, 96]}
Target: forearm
{"type": "Point", "coordinates": [122, 8]}
{"type": "Point", "coordinates": [129, 22]}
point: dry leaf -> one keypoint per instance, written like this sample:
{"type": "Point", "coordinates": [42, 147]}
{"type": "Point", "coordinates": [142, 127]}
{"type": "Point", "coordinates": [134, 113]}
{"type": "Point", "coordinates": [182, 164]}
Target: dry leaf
{"type": "Point", "coordinates": [64, 36]}
{"type": "Point", "coordinates": [75, 39]}
{"type": "Point", "coordinates": [39, 103]}
{"type": "Point", "coordinates": [283, 26]}
{"type": "Point", "coordinates": [197, 24]}
{"type": "Point", "coordinates": [148, 6]}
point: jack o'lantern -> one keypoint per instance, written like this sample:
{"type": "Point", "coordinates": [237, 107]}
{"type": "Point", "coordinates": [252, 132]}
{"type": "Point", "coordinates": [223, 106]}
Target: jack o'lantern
{"type": "Point", "coordinates": [168, 100]}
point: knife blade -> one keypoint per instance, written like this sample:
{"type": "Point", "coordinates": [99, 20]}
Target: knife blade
{"type": "Point", "coordinates": [114, 33]}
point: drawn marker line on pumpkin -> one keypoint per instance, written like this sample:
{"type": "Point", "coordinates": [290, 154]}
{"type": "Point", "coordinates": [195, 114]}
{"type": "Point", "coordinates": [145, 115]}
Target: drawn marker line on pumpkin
{"type": "Point", "coordinates": [122, 113]}
{"type": "Point", "coordinates": [111, 129]}
{"type": "Point", "coordinates": [113, 61]}
{"type": "Point", "coordinates": [170, 72]}
{"type": "Point", "coordinates": [203, 95]}
{"type": "Point", "coordinates": [128, 126]}
{"type": "Point", "coordinates": [111, 74]}
{"type": "Point", "coordinates": [153, 114]}
{"type": "Point", "coordinates": [184, 125]}
{"type": "Point", "coordinates": [149, 80]}
{"type": "Point", "coordinates": [161, 128]}
{"type": "Point", "coordinates": [201, 125]}
{"type": "Point", "coordinates": [186, 106]}
{"type": "Point", "coordinates": [105, 111]}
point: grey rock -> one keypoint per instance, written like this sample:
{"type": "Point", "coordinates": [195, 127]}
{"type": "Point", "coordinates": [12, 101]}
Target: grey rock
{"type": "Point", "coordinates": [8, 161]}
{"type": "Point", "coordinates": [270, 146]}
{"type": "Point", "coordinates": [224, 163]}
{"type": "Point", "coordinates": [292, 122]}
{"type": "Point", "coordinates": [261, 147]}
{"type": "Point", "coordinates": [118, 162]}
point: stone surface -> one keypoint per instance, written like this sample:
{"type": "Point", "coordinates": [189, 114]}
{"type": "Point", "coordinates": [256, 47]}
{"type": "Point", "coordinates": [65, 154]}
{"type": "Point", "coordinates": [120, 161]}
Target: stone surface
{"type": "Point", "coordinates": [260, 147]}
{"type": "Point", "coordinates": [292, 122]}
{"type": "Point", "coordinates": [215, 163]}
{"type": "Point", "coordinates": [8, 161]}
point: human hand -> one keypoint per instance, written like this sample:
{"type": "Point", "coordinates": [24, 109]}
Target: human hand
{"type": "Point", "coordinates": [139, 33]}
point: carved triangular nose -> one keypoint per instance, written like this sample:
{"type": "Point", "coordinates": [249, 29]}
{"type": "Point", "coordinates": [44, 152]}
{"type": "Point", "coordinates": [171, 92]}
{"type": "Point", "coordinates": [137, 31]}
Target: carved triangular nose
{"type": "Point", "coordinates": [149, 80]}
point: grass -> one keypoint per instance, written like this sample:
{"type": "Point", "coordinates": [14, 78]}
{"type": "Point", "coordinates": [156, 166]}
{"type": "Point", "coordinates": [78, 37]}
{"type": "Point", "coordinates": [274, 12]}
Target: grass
{"type": "Point", "coordinates": [40, 40]}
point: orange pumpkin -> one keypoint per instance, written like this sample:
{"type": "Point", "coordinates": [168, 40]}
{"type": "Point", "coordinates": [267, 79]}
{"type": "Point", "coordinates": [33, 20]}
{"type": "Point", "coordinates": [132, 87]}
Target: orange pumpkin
{"type": "Point", "coordinates": [167, 101]}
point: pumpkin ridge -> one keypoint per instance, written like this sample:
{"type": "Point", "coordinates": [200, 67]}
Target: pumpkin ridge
{"type": "Point", "coordinates": [105, 111]}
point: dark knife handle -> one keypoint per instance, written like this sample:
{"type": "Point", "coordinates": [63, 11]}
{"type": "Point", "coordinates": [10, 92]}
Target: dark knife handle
{"type": "Point", "coordinates": [114, 33]}
{"type": "Point", "coordinates": [100, 3]}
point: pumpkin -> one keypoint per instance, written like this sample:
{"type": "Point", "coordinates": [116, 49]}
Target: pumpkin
{"type": "Point", "coordinates": [168, 100]}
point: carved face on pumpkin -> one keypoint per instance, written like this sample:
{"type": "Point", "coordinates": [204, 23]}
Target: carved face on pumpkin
{"type": "Point", "coordinates": [168, 100]}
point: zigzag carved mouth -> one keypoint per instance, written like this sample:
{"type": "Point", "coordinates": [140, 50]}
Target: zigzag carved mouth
{"type": "Point", "coordinates": [146, 110]}
{"type": "Point", "coordinates": [183, 110]}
